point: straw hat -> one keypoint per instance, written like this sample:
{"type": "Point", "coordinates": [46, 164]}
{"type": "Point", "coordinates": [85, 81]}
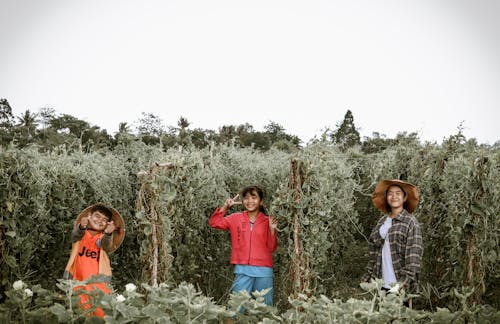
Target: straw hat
{"type": "Point", "coordinates": [379, 195]}
{"type": "Point", "coordinates": [118, 234]}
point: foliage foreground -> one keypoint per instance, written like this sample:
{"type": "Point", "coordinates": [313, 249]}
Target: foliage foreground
{"type": "Point", "coordinates": [321, 195]}
{"type": "Point", "coordinates": [185, 304]}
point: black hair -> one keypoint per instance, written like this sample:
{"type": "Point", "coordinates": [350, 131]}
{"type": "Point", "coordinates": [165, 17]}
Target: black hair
{"type": "Point", "coordinates": [103, 210]}
{"type": "Point", "coordinates": [258, 191]}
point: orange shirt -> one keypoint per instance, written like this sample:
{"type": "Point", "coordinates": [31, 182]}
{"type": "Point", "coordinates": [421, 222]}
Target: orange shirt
{"type": "Point", "coordinates": [87, 259]}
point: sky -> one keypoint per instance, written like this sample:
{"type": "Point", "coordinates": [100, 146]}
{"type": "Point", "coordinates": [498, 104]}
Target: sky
{"type": "Point", "coordinates": [425, 66]}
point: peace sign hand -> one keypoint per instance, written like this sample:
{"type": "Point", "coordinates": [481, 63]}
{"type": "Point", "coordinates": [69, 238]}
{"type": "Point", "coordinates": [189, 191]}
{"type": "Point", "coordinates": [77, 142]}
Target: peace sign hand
{"type": "Point", "coordinates": [230, 202]}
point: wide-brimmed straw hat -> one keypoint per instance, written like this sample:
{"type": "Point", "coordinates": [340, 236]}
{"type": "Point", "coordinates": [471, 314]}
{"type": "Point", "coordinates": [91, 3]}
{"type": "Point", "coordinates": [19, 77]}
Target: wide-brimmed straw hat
{"type": "Point", "coordinates": [119, 232]}
{"type": "Point", "coordinates": [379, 195]}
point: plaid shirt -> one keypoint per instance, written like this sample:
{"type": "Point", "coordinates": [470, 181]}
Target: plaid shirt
{"type": "Point", "coordinates": [405, 240]}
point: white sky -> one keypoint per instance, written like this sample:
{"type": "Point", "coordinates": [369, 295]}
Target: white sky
{"type": "Point", "coordinates": [423, 65]}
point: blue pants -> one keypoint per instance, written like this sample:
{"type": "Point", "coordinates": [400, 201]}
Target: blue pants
{"type": "Point", "coordinates": [243, 282]}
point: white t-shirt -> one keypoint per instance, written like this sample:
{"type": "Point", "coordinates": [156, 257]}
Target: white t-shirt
{"type": "Point", "coordinates": [387, 268]}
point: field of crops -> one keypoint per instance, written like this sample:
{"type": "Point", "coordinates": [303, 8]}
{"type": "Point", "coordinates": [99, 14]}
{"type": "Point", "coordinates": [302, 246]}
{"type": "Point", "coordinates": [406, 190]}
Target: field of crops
{"type": "Point", "coordinates": [173, 267]}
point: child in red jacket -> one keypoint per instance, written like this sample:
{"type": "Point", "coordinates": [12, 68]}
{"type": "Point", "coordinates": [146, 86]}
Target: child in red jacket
{"type": "Point", "coordinates": [253, 240]}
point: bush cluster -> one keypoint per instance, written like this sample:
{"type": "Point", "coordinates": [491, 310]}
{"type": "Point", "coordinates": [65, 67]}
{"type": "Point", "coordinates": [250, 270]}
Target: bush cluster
{"type": "Point", "coordinates": [459, 182]}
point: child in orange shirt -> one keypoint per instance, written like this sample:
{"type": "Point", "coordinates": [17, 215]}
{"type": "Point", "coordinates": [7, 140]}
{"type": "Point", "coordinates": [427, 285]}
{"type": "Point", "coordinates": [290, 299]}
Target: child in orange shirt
{"type": "Point", "coordinates": [98, 231]}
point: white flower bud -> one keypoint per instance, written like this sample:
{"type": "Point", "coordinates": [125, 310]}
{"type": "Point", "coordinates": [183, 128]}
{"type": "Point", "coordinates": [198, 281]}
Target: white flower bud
{"type": "Point", "coordinates": [130, 287]}
{"type": "Point", "coordinates": [18, 285]}
{"type": "Point", "coordinates": [28, 292]}
{"type": "Point", "coordinates": [395, 288]}
{"type": "Point", "coordinates": [120, 298]}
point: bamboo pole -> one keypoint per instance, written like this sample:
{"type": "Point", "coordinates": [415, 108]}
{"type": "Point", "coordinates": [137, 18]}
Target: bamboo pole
{"type": "Point", "coordinates": [154, 237]}
{"type": "Point", "coordinates": [150, 175]}
{"type": "Point", "coordinates": [299, 278]}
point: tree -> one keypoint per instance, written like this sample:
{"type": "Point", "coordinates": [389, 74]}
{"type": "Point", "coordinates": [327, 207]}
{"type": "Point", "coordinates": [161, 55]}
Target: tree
{"type": "Point", "coordinates": [407, 139]}
{"type": "Point", "coordinates": [201, 138]}
{"type": "Point", "coordinates": [46, 114]}
{"type": "Point", "coordinates": [67, 129]}
{"type": "Point", "coordinates": [123, 128]}
{"type": "Point", "coordinates": [151, 125]}
{"type": "Point", "coordinates": [226, 134]}
{"type": "Point", "coordinates": [275, 131]}
{"type": "Point", "coordinates": [26, 128]}
{"type": "Point", "coordinates": [376, 143]}
{"type": "Point", "coordinates": [65, 122]}
{"type": "Point", "coordinates": [183, 123]}
{"type": "Point", "coordinates": [184, 136]}
{"type": "Point", "coordinates": [280, 139]}
{"type": "Point", "coordinates": [124, 135]}
{"type": "Point", "coordinates": [150, 128]}
{"type": "Point", "coordinates": [244, 135]}
{"type": "Point", "coordinates": [5, 111]}
{"type": "Point", "coordinates": [346, 134]}
{"type": "Point", "coordinates": [6, 122]}
{"type": "Point", "coordinates": [29, 121]}
{"type": "Point", "coordinates": [95, 137]}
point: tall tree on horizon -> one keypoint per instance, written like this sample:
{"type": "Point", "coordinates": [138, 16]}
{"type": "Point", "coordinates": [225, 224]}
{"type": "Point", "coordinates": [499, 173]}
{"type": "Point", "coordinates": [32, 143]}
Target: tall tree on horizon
{"type": "Point", "coordinates": [6, 122]}
{"type": "Point", "coordinates": [280, 139]}
{"type": "Point", "coordinates": [26, 128]}
{"type": "Point", "coordinates": [346, 135]}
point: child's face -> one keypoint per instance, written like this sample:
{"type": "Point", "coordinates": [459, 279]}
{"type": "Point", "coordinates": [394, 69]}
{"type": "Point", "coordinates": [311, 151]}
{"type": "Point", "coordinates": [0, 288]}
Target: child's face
{"type": "Point", "coordinates": [395, 197]}
{"type": "Point", "coordinates": [98, 221]}
{"type": "Point", "coordinates": [252, 201]}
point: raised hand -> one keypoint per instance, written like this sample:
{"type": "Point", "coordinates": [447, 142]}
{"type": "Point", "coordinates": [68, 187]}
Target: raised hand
{"type": "Point", "coordinates": [230, 202]}
{"type": "Point", "coordinates": [110, 228]}
{"type": "Point", "coordinates": [84, 222]}
{"type": "Point", "coordinates": [273, 224]}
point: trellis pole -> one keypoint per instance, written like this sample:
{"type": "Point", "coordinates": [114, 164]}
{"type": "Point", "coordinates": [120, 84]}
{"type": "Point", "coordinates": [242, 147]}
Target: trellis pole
{"type": "Point", "coordinates": [299, 265]}
{"type": "Point", "coordinates": [146, 194]}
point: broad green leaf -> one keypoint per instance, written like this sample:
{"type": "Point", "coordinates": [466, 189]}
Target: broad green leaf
{"type": "Point", "coordinates": [10, 206]}
{"type": "Point", "coordinates": [11, 234]}
{"type": "Point", "coordinates": [63, 315]}
{"type": "Point", "coordinates": [10, 261]}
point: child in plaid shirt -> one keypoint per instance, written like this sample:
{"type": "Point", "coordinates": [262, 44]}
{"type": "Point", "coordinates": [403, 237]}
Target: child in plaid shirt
{"type": "Point", "coordinates": [395, 244]}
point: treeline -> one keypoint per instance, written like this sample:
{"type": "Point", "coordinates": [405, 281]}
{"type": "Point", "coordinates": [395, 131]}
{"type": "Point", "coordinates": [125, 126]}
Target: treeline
{"type": "Point", "coordinates": [49, 130]}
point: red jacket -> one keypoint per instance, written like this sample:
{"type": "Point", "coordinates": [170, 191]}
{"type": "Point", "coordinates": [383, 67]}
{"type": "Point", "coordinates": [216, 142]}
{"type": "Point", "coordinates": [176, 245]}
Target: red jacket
{"type": "Point", "coordinates": [251, 247]}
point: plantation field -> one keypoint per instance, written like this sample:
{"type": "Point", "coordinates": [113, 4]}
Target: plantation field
{"type": "Point", "coordinates": [173, 267]}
